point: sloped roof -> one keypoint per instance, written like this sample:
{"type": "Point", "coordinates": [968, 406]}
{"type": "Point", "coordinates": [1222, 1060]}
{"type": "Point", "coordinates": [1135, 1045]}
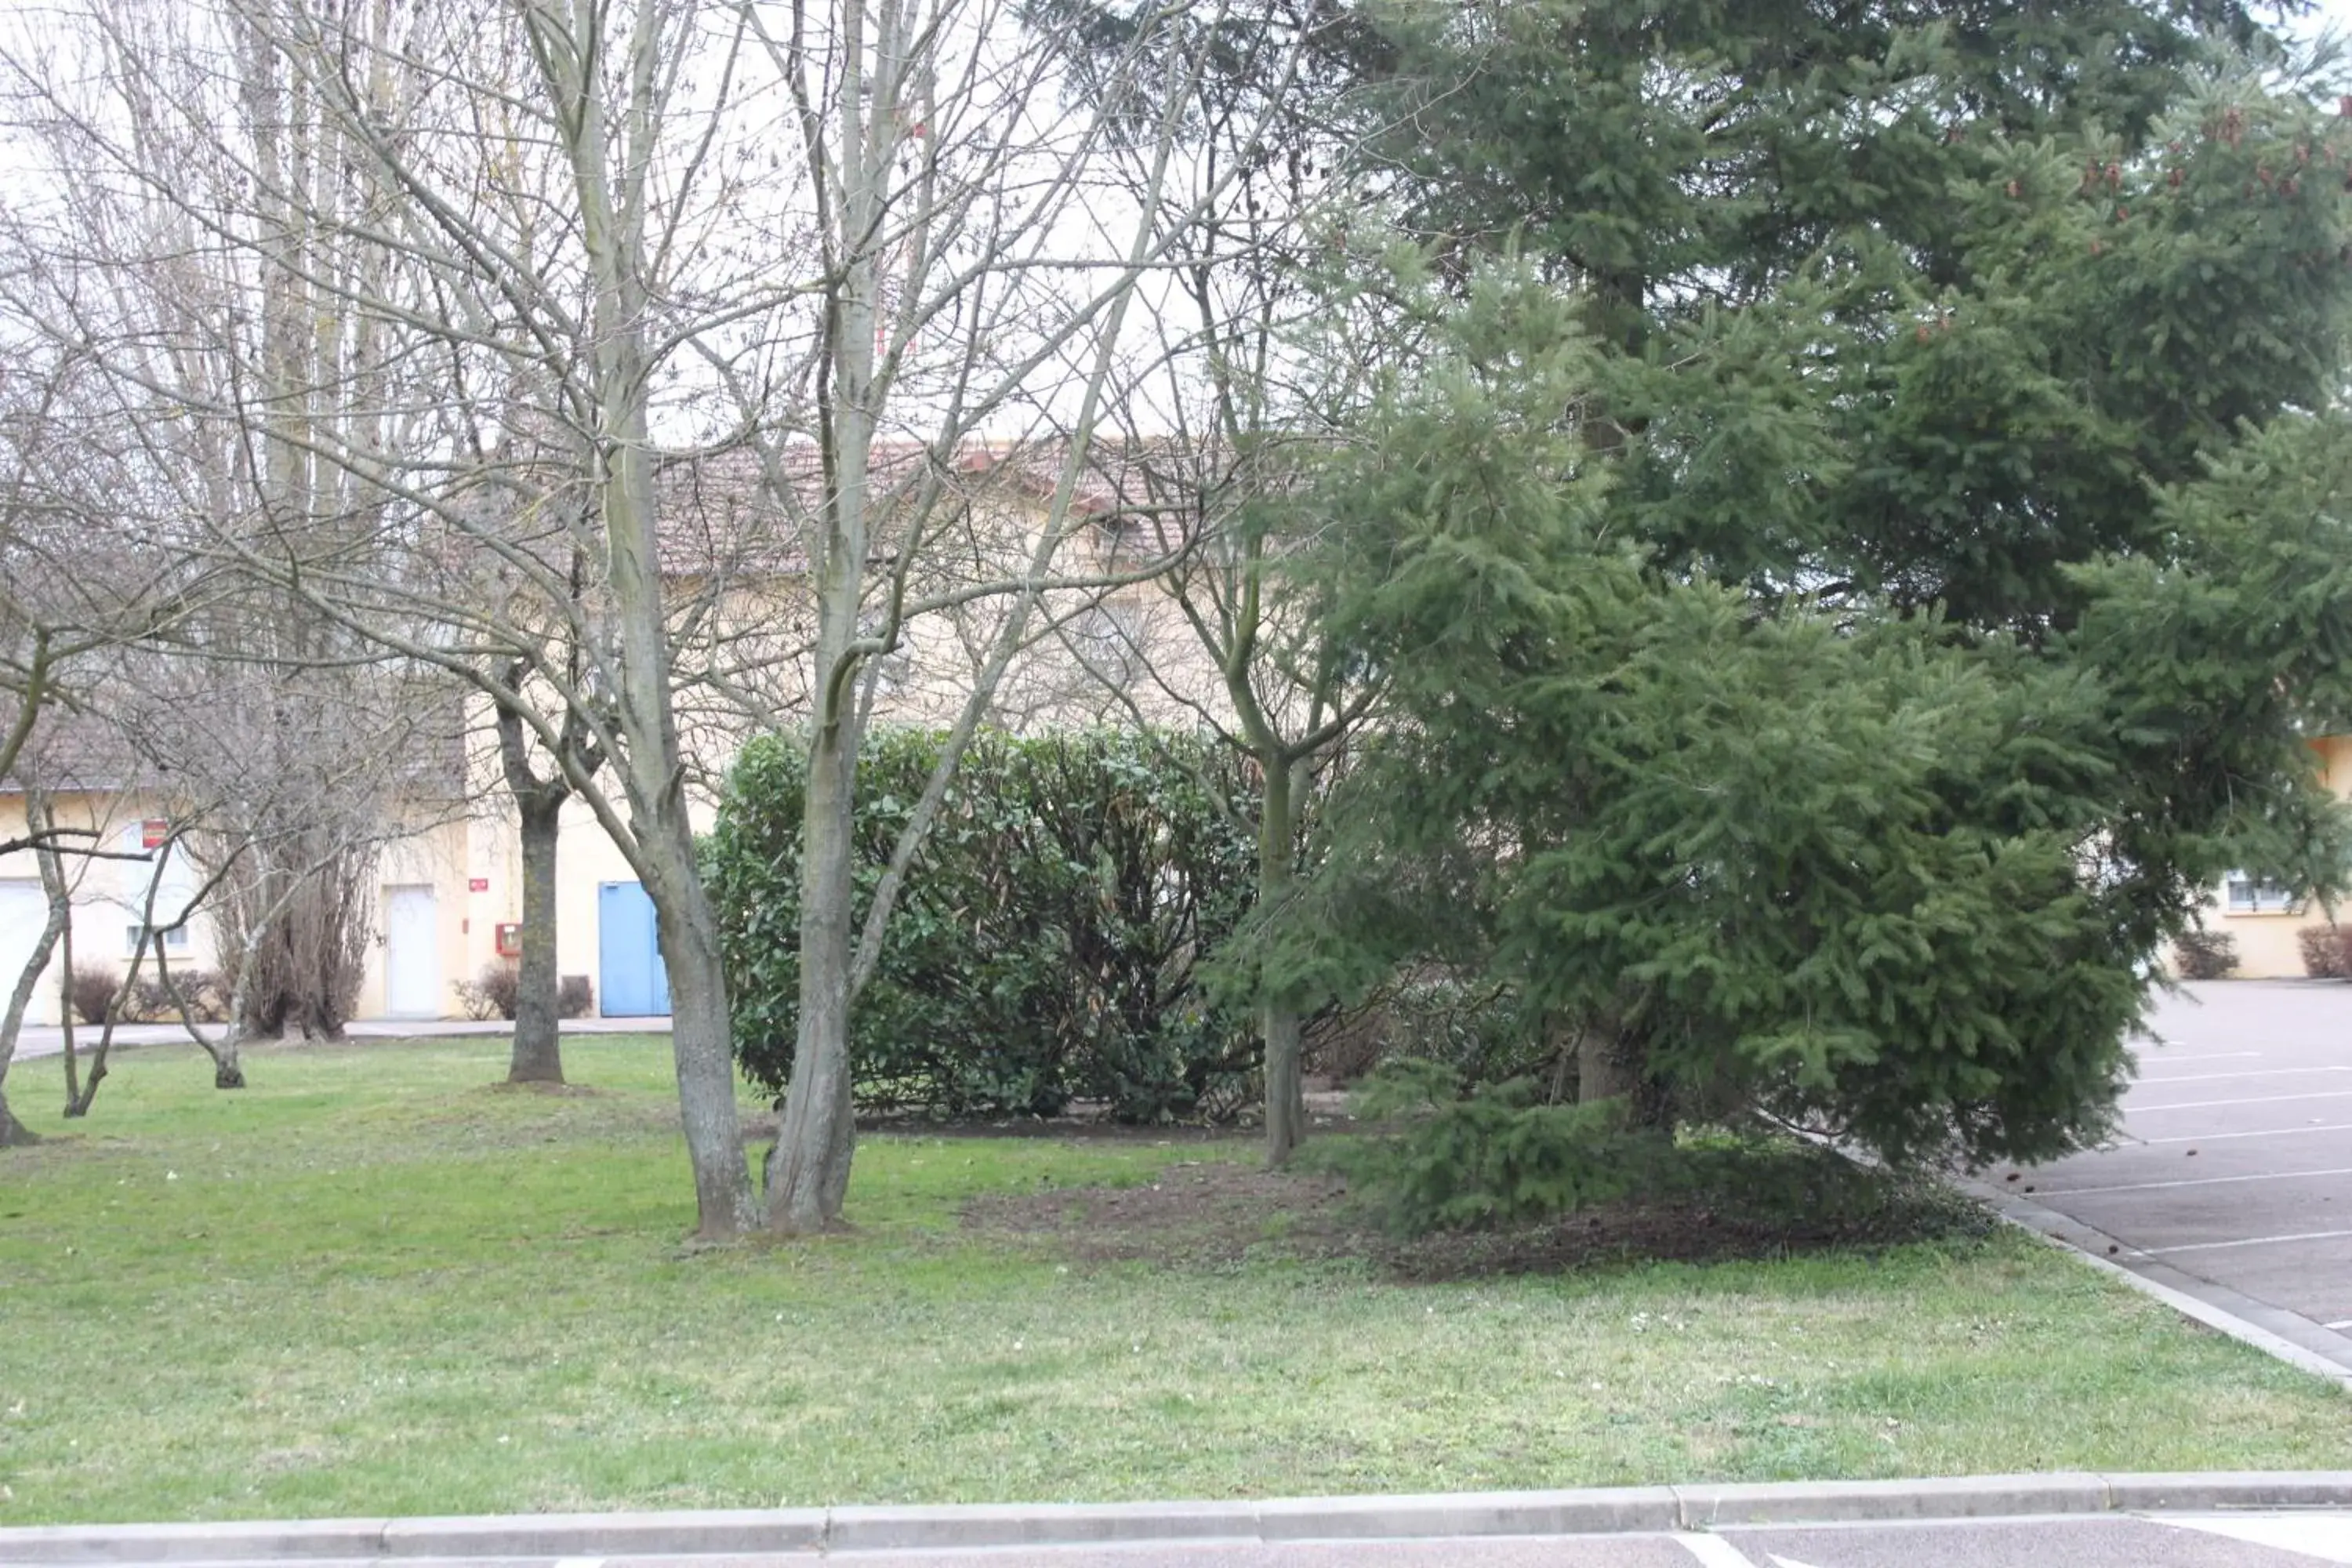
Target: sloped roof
{"type": "Point", "coordinates": [720, 511]}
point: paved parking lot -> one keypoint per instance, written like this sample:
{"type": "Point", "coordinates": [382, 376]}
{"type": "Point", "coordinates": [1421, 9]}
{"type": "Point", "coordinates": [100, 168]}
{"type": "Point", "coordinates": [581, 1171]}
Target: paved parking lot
{"type": "Point", "coordinates": [2232, 1178]}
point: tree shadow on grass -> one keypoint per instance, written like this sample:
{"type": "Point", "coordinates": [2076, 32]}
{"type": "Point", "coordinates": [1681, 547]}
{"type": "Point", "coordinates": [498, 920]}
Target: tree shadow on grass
{"type": "Point", "coordinates": [1214, 1213]}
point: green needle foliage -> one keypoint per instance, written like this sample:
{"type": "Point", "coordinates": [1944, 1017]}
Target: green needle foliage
{"type": "Point", "coordinates": [1860, 567]}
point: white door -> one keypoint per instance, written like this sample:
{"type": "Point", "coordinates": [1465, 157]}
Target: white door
{"type": "Point", "coordinates": [411, 954]}
{"type": "Point", "coordinates": [24, 910]}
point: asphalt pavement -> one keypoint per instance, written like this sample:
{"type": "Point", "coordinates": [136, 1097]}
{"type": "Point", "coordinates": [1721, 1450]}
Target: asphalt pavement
{"type": "Point", "coordinates": [2231, 1178]}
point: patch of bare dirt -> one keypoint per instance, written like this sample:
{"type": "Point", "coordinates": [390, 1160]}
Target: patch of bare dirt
{"type": "Point", "coordinates": [547, 1090]}
{"type": "Point", "coordinates": [1211, 1214]}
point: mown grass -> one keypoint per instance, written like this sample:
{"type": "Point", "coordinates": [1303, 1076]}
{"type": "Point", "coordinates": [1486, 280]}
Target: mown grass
{"type": "Point", "coordinates": [373, 1284]}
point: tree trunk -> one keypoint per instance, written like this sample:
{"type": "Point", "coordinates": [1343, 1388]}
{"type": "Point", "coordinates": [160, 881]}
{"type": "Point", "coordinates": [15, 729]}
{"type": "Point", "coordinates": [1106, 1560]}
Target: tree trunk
{"type": "Point", "coordinates": [19, 1002]}
{"type": "Point", "coordinates": [808, 1175]}
{"type": "Point", "coordinates": [702, 1040]}
{"type": "Point", "coordinates": [538, 1048]}
{"type": "Point", "coordinates": [227, 1072]}
{"type": "Point", "coordinates": [701, 1035]}
{"type": "Point", "coordinates": [65, 1000]}
{"type": "Point", "coordinates": [37, 820]}
{"type": "Point", "coordinates": [1285, 1097]}
{"type": "Point", "coordinates": [1602, 1071]}
{"type": "Point", "coordinates": [13, 1134]}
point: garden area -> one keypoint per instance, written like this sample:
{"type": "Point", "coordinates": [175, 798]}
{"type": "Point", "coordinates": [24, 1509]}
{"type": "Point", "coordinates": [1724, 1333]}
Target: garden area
{"type": "Point", "coordinates": [374, 1283]}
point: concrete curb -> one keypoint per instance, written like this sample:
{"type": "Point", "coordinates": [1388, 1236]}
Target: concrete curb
{"type": "Point", "coordinates": [2273, 1330]}
{"type": "Point", "coordinates": [817, 1531]}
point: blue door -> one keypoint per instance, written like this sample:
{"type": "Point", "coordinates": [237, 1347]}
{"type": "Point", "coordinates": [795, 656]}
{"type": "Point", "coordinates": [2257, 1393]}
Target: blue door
{"type": "Point", "coordinates": [634, 983]}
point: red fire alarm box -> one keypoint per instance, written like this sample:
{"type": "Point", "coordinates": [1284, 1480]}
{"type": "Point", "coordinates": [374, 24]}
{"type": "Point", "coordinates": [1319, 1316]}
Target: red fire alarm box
{"type": "Point", "coordinates": [510, 939]}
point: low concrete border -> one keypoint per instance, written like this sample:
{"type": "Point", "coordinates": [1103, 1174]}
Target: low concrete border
{"type": "Point", "coordinates": [815, 1531]}
{"type": "Point", "coordinates": [2273, 1330]}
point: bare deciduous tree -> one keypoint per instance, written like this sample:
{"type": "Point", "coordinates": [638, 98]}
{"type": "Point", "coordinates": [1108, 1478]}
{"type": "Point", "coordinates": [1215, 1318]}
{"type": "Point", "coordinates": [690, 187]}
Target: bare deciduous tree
{"type": "Point", "coordinates": [558, 241]}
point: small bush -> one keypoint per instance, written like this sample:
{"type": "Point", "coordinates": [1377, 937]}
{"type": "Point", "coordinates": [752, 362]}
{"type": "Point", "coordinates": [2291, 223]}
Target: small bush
{"type": "Point", "coordinates": [206, 992]}
{"type": "Point", "coordinates": [91, 992]}
{"type": "Point", "coordinates": [492, 994]}
{"type": "Point", "coordinates": [152, 1001]}
{"type": "Point", "coordinates": [2206, 955]}
{"type": "Point", "coordinates": [1497, 1157]}
{"type": "Point", "coordinates": [2326, 952]}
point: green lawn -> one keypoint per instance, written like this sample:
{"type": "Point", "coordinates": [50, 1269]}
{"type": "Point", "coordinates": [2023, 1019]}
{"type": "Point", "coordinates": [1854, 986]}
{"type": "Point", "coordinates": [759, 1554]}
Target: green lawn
{"type": "Point", "coordinates": [370, 1284]}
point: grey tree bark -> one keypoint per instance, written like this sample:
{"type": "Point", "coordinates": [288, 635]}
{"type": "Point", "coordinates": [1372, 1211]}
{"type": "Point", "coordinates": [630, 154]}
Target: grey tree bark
{"type": "Point", "coordinates": [538, 1054]}
{"type": "Point", "coordinates": [1279, 1023]}
{"type": "Point", "coordinates": [1603, 1069]}
{"type": "Point", "coordinates": [38, 823]}
{"type": "Point", "coordinates": [808, 1175]}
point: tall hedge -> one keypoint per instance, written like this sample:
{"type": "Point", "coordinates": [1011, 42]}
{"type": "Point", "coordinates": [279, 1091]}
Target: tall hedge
{"type": "Point", "coordinates": [1048, 943]}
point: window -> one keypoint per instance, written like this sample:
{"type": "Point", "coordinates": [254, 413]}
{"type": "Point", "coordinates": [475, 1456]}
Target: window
{"type": "Point", "coordinates": [174, 940]}
{"type": "Point", "coordinates": [1108, 640]}
{"type": "Point", "coordinates": [2244, 894]}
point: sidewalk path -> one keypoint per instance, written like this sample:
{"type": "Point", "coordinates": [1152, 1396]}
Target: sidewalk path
{"type": "Point", "coordinates": [2250, 1519]}
{"type": "Point", "coordinates": [2233, 1540]}
{"type": "Point", "coordinates": [48, 1041]}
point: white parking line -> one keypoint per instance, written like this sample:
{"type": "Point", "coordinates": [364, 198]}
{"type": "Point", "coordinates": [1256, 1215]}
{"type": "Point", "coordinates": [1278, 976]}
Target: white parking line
{"type": "Point", "coordinates": [2233, 1077]}
{"type": "Point", "coordinates": [2326, 1536]}
{"type": "Point", "coordinates": [2339, 1324]}
{"type": "Point", "coordinates": [2259, 1100]}
{"type": "Point", "coordinates": [2207, 1056]}
{"type": "Point", "coordinates": [2247, 1241]}
{"type": "Point", "coordinates": [2202, 1182]}
{"type": "Point", "coordinates": [1715, 1552]}
{"type": "Point", "coordinates": [2265, 1132]}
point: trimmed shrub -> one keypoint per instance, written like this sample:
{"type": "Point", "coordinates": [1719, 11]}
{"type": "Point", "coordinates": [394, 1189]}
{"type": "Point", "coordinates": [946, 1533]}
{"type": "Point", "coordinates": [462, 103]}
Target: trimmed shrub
{"type": "Point", "coordinates": [494, 993]}
{"type": "Point", "coordinates": [151, 1000]}
{"type": "Point", "coordinates": [1048, 945]}
{"type": "Point", "coordinates": [491, 994]}
{"type": "Point", "coordinates": [2205, 955]}
{"type": "Point", "coordinates": [91, 992]}
{"type": "Point", "coordinates": [2326, 952]}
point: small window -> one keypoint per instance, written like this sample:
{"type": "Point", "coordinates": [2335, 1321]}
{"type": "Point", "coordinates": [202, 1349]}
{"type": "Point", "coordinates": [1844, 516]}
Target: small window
{"type": "Point", "coordinates": [174, 940]}
{"type": "Point", "coordinates": [2247, 895]}
{"type": "Point", "coordinates": [1108, 640]}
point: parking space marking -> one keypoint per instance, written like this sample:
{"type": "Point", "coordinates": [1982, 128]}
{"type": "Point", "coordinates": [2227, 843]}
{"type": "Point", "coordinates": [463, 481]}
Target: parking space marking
{"type": "Point", "coordinates": [2339, 1324]}
{"type": "Point", "coordinates": [2207, 1056]}
{"type": "Point", "coordinates": [2194, 1181]}
{"type": "Point", "coordinates": [2261, 1100]}
{"type": "Point", "coordinates": [1715, 1552]}
{"type": "Point", "coordinates": [2246, 1241]}
{"type": "Point", "coordinates": [2233, 1077]}
{"type": "Point", "coordinates": [2326, 1536]}
{"type": "Point", "coordinates": [2265, 1132]}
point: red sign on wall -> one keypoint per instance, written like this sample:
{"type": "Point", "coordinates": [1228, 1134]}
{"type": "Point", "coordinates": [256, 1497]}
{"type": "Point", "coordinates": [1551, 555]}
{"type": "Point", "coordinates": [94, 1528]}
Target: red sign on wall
{"type": "Point", "coordinates": [478, 885]}
{"type": "Point", "coordinates": [152, 832]}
